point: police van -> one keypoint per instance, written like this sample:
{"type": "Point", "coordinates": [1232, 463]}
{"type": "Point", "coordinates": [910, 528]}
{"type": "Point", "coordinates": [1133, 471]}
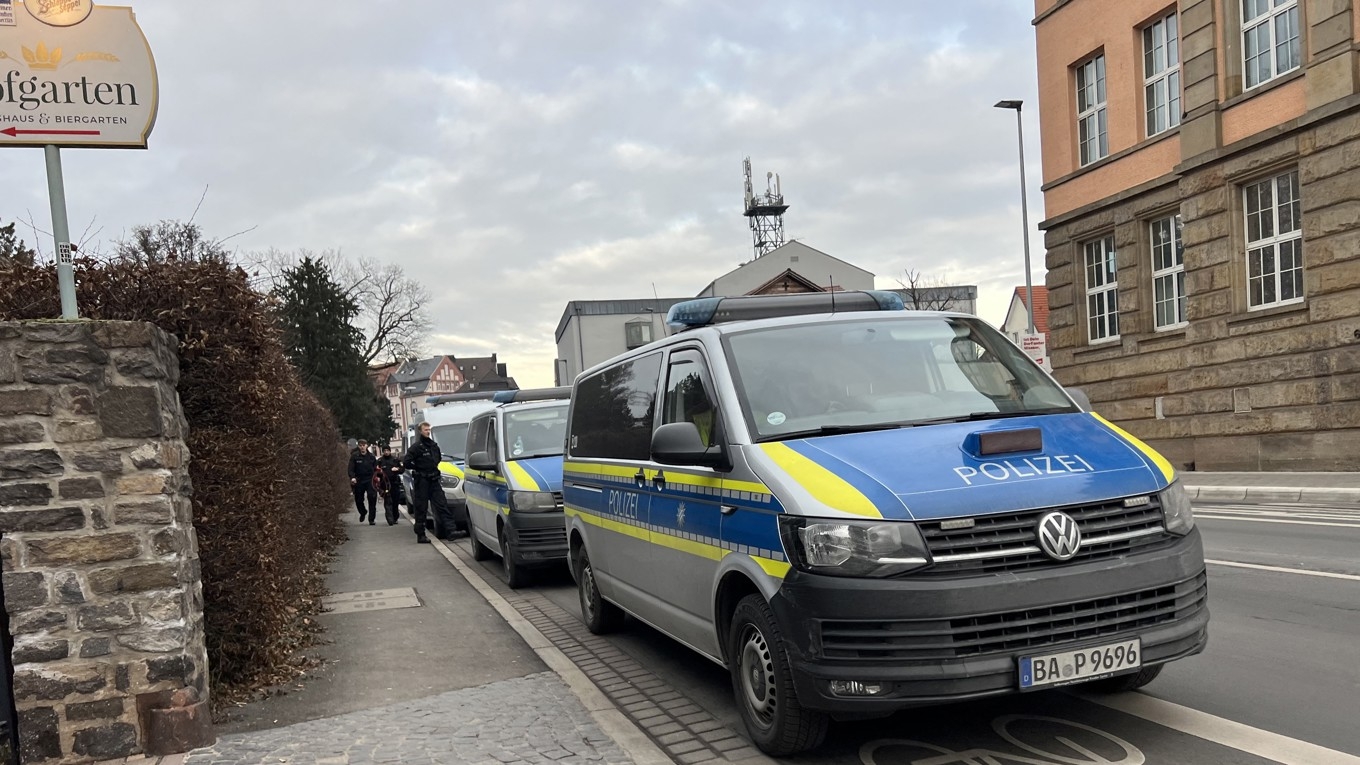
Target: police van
{"type": "Point", "coordinates": [449, 416]}
{"type": "Point", "coordinates": [514, 481]}
{"type": "Point", "coordinates": [857, 509]}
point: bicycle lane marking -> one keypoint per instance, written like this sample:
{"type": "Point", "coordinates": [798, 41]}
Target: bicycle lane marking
{"type": "Point", "coordinates": [1235, 735]}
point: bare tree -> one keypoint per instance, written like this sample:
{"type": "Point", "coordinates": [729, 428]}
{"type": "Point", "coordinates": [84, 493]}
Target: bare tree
{"type": "Point", "coordinates": [392, 312]}
{"type": "Point", "coordinates": [929, 293]}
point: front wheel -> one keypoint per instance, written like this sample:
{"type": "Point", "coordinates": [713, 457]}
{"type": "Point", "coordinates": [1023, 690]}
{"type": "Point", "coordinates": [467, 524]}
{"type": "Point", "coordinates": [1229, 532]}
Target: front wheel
{"type": "Point", "coordinates": [479, 550]}
{"type": "Point", "coordinates": [515, 574]}
{"type": "Point", "coordinates": [763, 682]}
{"type": "Point", "coordinates": [600, 615]}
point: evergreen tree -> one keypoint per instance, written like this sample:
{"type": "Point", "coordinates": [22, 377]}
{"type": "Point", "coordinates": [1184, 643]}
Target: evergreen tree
{"type": "Point", "coordinates": [321, 340]}
{"type": "Point", "coordinates": [13, 248]}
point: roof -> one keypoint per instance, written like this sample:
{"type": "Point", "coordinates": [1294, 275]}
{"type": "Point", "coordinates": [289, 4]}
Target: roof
{"type": "Point", "coordinates": [1040, 306]}
{"type": "Point", "coordinates": [483, 373]}
{"type": "Point", "coordinates": [416, 373]}
{"type": "Point", "coordinates": [614, 308]}
{"type": "Point", "coordinates": [791, 243]}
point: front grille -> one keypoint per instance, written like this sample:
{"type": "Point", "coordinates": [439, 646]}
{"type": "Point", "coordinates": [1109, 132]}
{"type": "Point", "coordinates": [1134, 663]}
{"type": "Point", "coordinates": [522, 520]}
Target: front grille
{"type": "Point", "coordinates": [943, 639]}
{"type": "Point", "coordinates": [1010, 541]}
{"type": "Point", "coordinates": [555, 536]}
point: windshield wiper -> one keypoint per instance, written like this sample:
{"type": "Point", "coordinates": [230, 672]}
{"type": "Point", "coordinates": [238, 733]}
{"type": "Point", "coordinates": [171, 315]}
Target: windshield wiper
{"type": "Point", "coordinates": [834, 430]}
{"type": "Point", "coordinates": [976, 416]}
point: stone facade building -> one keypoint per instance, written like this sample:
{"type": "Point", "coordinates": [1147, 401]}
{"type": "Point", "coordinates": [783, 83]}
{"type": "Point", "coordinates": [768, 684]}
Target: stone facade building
{"type": "Point", "coordinates": [1201, 167]}
{"type": "Point", "coordinates": [102, 588]}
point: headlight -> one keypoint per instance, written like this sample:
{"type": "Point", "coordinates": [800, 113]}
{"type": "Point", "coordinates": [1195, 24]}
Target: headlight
{"type": "Point", "coordinates": [853, 548]}
{"type": "Point", "coordinates": [1176, 513]}
{"type": "Point", "coordinates": [448, 481]}
{"type": "Point", "coordinates": [532, 501]}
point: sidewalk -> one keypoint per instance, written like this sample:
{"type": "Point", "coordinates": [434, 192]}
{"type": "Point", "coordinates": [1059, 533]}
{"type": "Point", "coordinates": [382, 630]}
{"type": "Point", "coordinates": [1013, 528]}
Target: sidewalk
{"type": "Point", "coordinates": [438, 677]}
{"type": "Point", "coordinates": [1273, 487]}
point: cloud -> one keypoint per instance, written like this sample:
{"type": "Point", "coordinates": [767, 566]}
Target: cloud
{"type": "Point", "coordinates": [519, 155]}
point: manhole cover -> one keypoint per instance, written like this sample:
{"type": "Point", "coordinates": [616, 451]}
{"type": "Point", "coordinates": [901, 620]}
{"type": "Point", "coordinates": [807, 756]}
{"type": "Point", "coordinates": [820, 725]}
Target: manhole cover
{"type": "Point", "coordinates": [371, 600]}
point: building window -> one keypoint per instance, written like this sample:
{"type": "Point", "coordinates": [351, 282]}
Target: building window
{"type": "Point", "coordinates": [1168, 273]}
{"type": "Point", "coordinates": [1162, 75]}
{"type": "Point", "coordinates": [1270, 39]}
{"type": "Point", "coordinates": [1092, 141]}
{"type": "Point", "coordinates": [638, 333]}
{"type": "Point", "coordinates": [1274, 241]}
{"type": "Point", "coordinates": [1102, 291]}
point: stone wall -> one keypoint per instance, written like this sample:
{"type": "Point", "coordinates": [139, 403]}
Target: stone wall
{"type": "Point", "coordinates": [101, 574]}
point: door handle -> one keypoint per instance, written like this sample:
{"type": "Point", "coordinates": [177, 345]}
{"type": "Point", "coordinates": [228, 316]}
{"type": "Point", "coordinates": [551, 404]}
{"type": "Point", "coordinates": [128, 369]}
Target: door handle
{"type": "Point", "coordinates": [727, 509]}
{"type": "Point", "coordinates": [659, 480]}
{"type": "Point", "coordinates": [639, 478]}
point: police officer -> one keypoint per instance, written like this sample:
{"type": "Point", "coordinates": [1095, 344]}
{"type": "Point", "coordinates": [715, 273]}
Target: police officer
{"type": "Point", "coordinates": [422, 460]}
{"type": "Point", "coordinates": [394, 493]}
{"type": "Point", "coordinates": [362, 466]}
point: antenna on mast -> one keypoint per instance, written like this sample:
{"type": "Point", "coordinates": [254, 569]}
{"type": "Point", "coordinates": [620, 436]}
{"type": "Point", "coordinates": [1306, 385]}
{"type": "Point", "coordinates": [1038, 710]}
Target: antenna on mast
{"type": "Point", "coordinates": [765, 212]}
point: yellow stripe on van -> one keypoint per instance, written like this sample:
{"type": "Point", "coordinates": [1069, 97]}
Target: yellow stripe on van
{"type": "Point", "coordinates": [775, 568]}
{"type": "Point", "coordinates": [448, 468]}
{"type": "Point", "coordinates": [492, 506]}
{"type": "Point", "coordinates": [1161, 462]}
{"type": "Point", "coordinates": [605, 523]}
{"type": "Point", "coordinates": [824, 486]}
{"type": "Point", "coordinates": [711, 552]}
{"type": "Point", "coordinates": [522, 477]}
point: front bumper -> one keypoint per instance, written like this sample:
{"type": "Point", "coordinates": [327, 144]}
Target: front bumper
{"type": "Point", "coordinates": [949, 640]}
{"type": "Point", "coordinates": [537, 537]}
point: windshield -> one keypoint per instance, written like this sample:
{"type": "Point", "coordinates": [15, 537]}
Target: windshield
{"type": "Point", "coordinates": [452, 440]}
{"type": "Point", "coordinates": [537, 432]}
{"type": "Point", "coordinates": [884, 372]}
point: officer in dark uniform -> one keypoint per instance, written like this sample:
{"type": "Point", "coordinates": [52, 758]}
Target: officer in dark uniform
{"type": "Point", "coordinates": [394, 493]}
{"type": "Point", "coordinates": [362, 466]}
{"type": "Point", "coordinates": [422, 461]}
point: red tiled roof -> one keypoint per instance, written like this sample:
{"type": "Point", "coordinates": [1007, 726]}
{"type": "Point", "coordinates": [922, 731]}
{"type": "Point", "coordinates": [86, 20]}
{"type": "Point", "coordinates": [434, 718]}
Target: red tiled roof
{"type": "Point", "coordinates": [1040, 306]}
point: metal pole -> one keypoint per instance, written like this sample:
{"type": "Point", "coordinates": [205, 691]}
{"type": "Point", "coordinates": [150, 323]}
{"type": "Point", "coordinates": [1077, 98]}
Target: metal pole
{"type": "Point", "coordinates": [56, 193]}
{"type": "Point", "coordinates": [1024, 220]}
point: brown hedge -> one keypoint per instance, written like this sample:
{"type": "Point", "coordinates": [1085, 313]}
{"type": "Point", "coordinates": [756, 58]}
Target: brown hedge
{"type": "Point", "coordinates": [266, 495]}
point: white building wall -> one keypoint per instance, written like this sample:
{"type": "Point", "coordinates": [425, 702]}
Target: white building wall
{"type": "Point", "coordinates": [588, 339]}
{"type": "Point", "coordinates": [813, 265]}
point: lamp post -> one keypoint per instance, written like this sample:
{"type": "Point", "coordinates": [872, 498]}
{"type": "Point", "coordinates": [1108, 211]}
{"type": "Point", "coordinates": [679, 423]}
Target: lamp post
{"type": "Point", "coordinates": [1024, 207]}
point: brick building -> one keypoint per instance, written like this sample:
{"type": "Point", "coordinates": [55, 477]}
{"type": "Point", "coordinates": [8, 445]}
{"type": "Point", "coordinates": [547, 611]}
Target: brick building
{"type": "Point", "coordinates": [1201, 168]}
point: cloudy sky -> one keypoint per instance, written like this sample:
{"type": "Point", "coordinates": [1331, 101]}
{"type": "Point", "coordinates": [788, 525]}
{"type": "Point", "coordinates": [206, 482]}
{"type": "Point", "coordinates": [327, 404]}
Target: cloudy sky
{"type": "Point", "coordinates": [519, 154]}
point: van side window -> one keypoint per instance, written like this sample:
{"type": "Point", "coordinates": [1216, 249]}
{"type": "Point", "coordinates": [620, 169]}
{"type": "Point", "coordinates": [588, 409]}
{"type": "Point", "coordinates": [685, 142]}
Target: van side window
{"type": "Point", "coordinates": [687, 400]}
{"type": "Point", "coordinates": [613, 411]}
{"type": "Point", "coordinates": [491, 441]}
{"type": "Point", "coordinates": [476, 438]}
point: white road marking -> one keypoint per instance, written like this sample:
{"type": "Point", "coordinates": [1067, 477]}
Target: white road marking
{"type": "Point", "coordinates": [1277, 569]}
{"type": "Point", "coordinates": [1208, 517]}
{"type": "Point", "coordinates": [1236, 735]}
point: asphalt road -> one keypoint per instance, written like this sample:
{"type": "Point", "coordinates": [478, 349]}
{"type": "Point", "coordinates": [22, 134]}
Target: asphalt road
{"type": "Point", "coordinates": [1279, 682]}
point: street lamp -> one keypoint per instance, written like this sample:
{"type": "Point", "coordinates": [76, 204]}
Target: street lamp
{"type": "Point", "coordinates": [1024, 206]}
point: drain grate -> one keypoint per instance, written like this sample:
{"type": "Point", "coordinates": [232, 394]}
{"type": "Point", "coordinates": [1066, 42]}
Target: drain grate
{"type": "Point", "coordinates": [371, 600]}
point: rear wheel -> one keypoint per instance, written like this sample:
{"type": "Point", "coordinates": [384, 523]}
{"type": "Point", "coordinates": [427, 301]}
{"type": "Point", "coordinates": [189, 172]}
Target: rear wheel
{"type": "Point", "coordinates": [763, 683]}
{"type": "Point", "coordinates": [515, 574]}
{"type": "Point", "coordinates": [600, 615]}
{"type": "Point", "coordinates": [1130, 682]}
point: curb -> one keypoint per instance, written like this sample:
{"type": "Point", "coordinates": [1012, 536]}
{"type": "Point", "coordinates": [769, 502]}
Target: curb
{"type": "Point", "coordinates": [1274, 494]}
{"type": "Point", "coordinates": [630, 738]}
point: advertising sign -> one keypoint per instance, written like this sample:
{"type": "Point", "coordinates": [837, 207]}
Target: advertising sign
{"type": "Point", "coordinates": [75, 74]}
{"type": "Point", "coordinates": [1035, 345]}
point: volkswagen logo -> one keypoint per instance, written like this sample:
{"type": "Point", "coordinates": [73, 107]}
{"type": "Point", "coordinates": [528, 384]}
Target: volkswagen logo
{"type": "Point", "coordinates": [1059, 536]}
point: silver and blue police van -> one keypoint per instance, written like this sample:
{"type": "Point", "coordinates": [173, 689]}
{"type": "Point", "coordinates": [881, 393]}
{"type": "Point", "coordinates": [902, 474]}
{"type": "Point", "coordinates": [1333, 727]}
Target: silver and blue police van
{"type": "Point", "coordinates": [513, 481]}
{"type": "Point", "coordinates": [858, 509]}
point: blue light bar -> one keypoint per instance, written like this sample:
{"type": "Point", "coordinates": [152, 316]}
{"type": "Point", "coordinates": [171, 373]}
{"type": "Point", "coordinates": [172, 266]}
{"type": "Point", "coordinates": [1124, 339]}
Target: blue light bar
{"type": "Point", "coordinates": [705, 311]}
{"type": "Point", "coordinates": [533, 394]}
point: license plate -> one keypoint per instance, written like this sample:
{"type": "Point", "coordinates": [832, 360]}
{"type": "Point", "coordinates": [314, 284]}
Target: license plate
{"type": "Point", "coordinates": [1075, 666]}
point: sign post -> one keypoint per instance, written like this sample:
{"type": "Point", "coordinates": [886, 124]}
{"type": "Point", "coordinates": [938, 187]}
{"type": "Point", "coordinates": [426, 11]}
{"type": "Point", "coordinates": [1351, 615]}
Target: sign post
{"type": "Point", "coordinates": [73, 75]}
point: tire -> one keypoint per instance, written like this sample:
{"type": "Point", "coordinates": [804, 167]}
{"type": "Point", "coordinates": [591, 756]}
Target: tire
{"type": "Point", "coordinates": [515, 575]}
{"type": "Point", "coordinates": [763, 684]}
{"type": "Point", "coordinates": [1130, 682]}
{"type": "Point", "coordinates": [440, 525]}
{"type": "Point", "coordinates": [600, 615]}
{"type": "Point", "coordinates": [479, 550]}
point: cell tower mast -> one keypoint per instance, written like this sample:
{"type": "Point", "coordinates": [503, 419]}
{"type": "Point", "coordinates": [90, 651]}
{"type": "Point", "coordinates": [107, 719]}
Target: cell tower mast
{"type": "Point", "coordinates": [766, 212]}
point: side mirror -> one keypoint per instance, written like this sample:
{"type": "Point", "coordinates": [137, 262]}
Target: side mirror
{"type": "Point", "coordinates": [678, 443]}
{"type": "Point", "coordinates": [1078, 395]}
{"type": "Point", "coordinates": [481, 461]}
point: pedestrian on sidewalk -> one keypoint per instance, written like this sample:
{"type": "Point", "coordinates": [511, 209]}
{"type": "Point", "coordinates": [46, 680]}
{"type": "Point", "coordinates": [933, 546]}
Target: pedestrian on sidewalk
{"type": "Point", "coordinates": [362, 467]}
{"type": "Point", "coordinates": [422, 461]}
{"type": "Point", "coordinates": [390, 470]}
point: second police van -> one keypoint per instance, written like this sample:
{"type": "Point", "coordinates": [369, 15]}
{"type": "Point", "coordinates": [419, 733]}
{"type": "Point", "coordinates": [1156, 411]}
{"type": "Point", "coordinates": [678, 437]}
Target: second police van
{"type": "Point", "coordinates": [858, 509]}
{"type": "Point", "coordinates": [514, 481]}
{"type": "Point", "coordinates": [449, 415]}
